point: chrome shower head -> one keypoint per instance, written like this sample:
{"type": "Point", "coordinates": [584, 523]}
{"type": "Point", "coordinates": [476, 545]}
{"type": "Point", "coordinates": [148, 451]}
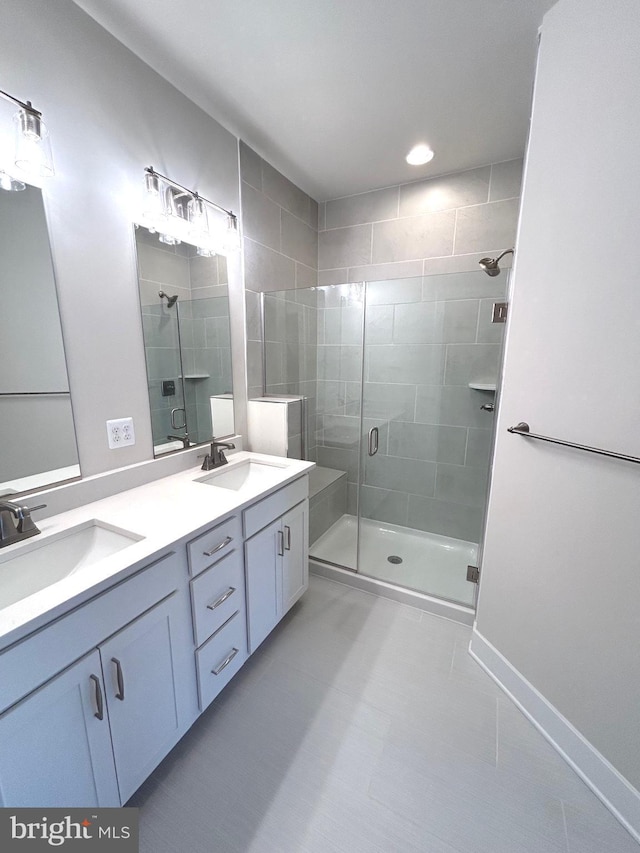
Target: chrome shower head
{"type": "Point", "coordinates": [490, 265]}
{"type": "Point", "coordinates": [171, 300]}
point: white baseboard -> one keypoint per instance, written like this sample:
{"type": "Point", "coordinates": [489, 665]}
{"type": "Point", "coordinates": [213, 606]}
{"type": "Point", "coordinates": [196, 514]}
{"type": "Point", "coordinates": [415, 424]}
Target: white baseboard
{"type": "Point", "coordinates": [617, 794]}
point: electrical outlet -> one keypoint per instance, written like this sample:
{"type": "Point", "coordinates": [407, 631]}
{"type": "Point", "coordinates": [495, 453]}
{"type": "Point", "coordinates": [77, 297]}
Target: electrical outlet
{"type": "Point", "coordinates": [120, 433]}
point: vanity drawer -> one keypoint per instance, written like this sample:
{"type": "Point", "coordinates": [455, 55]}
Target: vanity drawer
{"type": "Point", "coordinates": [221, 657]}
{"type": "Point", "coordinates": [214, 544]}
{"type": "Point", "coordinates": [263, 512]}
{"type": "Point", "coordinates": [216, 594]}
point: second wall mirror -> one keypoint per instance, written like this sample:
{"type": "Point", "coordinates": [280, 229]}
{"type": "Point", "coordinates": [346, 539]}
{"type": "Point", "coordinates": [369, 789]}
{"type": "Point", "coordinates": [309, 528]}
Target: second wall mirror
{"type": "Point", "coordinates": [185, 319]}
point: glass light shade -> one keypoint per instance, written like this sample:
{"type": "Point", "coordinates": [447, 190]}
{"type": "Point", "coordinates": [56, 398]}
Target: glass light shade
{"type": "Point", "coordinates": [33, 147]}
{"type": "Point", "coordinates": [11, 184]}
{"type": "Point", "coordinates": [232, 237]}
{"type": "Point", "coordinates": [153, 206]}
{"type": "Point", "coordinates": [199, 222]}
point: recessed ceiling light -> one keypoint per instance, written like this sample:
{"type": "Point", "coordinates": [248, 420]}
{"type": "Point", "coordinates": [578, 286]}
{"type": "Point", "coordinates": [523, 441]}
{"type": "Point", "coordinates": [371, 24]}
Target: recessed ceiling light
{"type": "Point", "coordinates": [419, 155]}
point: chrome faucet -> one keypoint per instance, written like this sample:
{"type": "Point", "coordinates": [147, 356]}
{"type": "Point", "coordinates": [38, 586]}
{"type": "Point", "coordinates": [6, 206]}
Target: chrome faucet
{"type": "Point", "coordinates": [216, 457]}
{"type": "Point", "coordinates": [16, 522]}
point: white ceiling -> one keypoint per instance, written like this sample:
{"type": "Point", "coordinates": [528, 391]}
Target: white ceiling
{"type": "Point", "coordinates": [335, 92]}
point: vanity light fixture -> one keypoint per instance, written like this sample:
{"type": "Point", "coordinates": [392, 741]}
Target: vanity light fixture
{"type": "Point", "coordinates": [419, 155]}
{"type": "Point", "coordinates": [32, 145]}
{"type": "Point", "coordinates": [178, 213]}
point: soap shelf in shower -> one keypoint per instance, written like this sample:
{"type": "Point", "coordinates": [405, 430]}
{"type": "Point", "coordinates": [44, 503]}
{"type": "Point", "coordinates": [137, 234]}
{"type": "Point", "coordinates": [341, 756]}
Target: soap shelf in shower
{"type": "Point", "coordinates": [194, 377]}
{"type": "Point", "coordinates": [483, 386]}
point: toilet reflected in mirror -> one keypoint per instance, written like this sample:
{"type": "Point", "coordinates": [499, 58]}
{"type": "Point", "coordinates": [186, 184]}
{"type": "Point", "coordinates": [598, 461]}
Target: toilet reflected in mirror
{"type": "Point", "coordinates": [185, 320]}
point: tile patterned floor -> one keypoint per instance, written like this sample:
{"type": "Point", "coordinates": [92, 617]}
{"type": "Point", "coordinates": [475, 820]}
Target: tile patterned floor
{"type": "Point", "coordinates": [363, 726]}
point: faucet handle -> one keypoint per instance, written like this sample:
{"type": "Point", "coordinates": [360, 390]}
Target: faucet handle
{"type": "Point", "coordinates": [25, 522]}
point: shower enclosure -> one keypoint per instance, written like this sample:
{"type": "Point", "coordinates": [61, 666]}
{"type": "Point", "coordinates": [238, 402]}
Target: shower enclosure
{"type": "Point", "coordinates": [400, 380]}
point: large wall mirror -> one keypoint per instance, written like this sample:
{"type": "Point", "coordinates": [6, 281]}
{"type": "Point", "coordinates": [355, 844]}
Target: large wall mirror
{"type": "Point", "coordinates": [38, 436]}
{"type": "Point", "coordinates": [185, 320]}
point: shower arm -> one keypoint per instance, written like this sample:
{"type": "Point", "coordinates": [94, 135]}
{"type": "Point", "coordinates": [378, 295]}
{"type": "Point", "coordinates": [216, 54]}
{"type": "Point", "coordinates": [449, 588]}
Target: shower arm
{"type": "Point", "coordinates": [506, 252]}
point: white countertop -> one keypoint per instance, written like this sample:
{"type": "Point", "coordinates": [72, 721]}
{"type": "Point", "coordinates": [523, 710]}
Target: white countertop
{"type": "Point", "coordinates": [163, 512]}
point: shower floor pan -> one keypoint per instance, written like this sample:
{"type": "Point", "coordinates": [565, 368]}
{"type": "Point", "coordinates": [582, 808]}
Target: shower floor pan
{"type": "Point", "coordinates": [424, 562]}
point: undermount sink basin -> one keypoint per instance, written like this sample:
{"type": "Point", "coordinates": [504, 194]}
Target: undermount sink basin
{"type": "Point", "coordinates": [248, 474]}
{"type": "Point", "coordinates": [41, 563]}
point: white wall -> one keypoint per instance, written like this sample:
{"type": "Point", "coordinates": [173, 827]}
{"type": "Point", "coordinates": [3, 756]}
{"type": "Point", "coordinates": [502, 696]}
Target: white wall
{"type": "Point", "coordinates": [109, 116]}
{"type": "Point", "coordinates": [560, 589]}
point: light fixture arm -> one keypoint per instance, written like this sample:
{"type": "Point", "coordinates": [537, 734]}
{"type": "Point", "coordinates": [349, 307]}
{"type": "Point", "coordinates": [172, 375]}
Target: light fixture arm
{"type": "Point", "coordinates": [151, 171]}
{"type": "Point", "coordinates": [25, 105]}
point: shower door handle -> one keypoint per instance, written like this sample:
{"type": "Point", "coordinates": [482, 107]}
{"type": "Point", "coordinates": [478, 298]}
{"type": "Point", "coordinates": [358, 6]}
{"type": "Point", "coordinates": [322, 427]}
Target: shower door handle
{"type": "Point", "coordinates": [174, 412]}
{"type": "Point", "coordinates": [373, 441]}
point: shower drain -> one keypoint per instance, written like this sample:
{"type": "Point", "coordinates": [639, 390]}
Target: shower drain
{"type": "Point", "coordinates": [394, 559]}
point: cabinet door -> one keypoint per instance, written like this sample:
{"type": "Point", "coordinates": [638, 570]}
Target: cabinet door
{"type": "Point", "coordinates": [295, 562]}
{"type": "Point", "coordinates": [54, 750]}
{"type": "Point", "coordinates": [263, 553]}
{"type": "Point", "coordinates": [140, 687]}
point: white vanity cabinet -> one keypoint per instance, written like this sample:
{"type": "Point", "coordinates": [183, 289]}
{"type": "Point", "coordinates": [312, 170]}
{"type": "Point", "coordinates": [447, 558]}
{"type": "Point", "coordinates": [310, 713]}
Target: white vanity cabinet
{"type": "Point", "coordinates": [141, 693]}
{"type": "Point", "coordinates": [218, 606]}
{"type": "Point", "coordinates": [276, 557]}
{"type": "Point", "coordinates": [93, 700]}
{"type": "Point", "coordinates": [88, 731]}
{"type": "Point", "coordinates": [55, 746]}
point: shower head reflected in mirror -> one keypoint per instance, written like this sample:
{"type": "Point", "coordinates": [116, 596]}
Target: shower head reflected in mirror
{"type": "Point", "coordinates": [490, 265]}
{"type": "Point", "coordinates": [171, 300]}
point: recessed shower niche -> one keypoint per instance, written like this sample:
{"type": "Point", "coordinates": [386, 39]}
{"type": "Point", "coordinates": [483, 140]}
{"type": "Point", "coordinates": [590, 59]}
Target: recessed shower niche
{"type": "Point", "coordinates": [185, 320]}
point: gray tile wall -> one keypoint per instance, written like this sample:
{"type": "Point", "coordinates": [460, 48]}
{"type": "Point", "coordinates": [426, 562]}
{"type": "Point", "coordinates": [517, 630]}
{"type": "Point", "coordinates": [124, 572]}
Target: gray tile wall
{"type": "Point", "coordinates": [444, 224]}
{"type": "Point", "coordinates": [280, 244]}
{"type": "Point", "coordinates": [291, 328]}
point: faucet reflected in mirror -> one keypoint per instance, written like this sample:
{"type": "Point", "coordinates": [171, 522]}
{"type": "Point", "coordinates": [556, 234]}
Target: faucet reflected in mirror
{"type": "Point", "coordinates": [185, 320]}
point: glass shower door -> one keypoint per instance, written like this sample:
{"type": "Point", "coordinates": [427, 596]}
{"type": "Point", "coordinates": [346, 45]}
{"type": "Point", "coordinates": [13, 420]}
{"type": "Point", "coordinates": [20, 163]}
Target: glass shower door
{"type": "Point", "coordinates": [431, 355]}
{"type": "Point", "coordinates": [336, 441]}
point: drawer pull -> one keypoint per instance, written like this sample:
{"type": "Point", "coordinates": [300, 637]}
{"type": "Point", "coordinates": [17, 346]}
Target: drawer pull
{"type": "Point", "coordinates": [120, 679]}
{"type": "Point", "coordinates": [98, 697]}
{"type": "Point", "coordinates": [225, 662]}
{"type": "Point", "coordinates": [219, 546]}
{"type": "Point", "coordinates": [287, 544]}
{"type": "Point", "coordinates": [222, 598]}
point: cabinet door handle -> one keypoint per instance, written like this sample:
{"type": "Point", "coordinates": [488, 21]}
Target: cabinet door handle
{"type": "Point", "coordinates": [222, 598]}
{"type": "Point", "coordinates": [225, 662]}
{"type": "Point", "coordinates": [218, 547]}
{"type": "Point", "coordinates": [280, 543]}
{"type": "Point", "coordinates": [287, 544]}
{"type": "Point", "coordinates": [119, 678]}
{"type": "Point", "coordinates": [98, 697]}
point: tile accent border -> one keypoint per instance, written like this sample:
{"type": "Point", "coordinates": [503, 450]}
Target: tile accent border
{"type": "Point", "coordinates": [615, 792]}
